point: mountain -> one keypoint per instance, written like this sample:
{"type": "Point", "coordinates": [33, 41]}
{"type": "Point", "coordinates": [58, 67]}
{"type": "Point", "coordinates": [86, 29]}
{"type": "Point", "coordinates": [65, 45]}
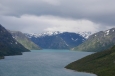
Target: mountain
{"type": "Point", "coordinates": [22, 39]}
{"type": "Point", "coordinates": [85, 34]}
{"type": "Point", "coordinates": [8, 45]}
{"type": "Point", "coordinates": [98, 41]}
{"type": "Point", "coordinates": [50, 33]}
{"type": "Point", "coordinates": [100, 63]}
{"type": "Point", "coordinates": [57, 40]}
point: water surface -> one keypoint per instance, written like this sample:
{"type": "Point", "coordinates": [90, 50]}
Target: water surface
{"type": "Point", "coordinates": [41, 63]}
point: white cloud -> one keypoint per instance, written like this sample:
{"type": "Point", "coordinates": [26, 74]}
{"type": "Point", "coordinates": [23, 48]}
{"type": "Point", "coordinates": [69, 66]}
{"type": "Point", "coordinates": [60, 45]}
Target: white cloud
{"type": "Point", "coordinates": [38, 24]}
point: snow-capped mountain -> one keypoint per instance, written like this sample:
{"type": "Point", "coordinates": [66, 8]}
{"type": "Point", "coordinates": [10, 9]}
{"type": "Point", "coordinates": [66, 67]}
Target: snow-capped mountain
{"type": "Point", "coordinates": [85, 34]}
{"type": "Point", "coordinates": [58, 40]}
{"type": "Point", "coordinates": [50, 33]}
{"type": "Point", "coordinates": [98, 41]}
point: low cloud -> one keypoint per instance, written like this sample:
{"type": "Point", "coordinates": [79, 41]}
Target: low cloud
{"type": "Point", "coordinates": [38, 24]}
{"type": "Point", "coordinates": [57, 15]}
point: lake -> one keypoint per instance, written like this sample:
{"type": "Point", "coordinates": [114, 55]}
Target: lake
{"type": "Point", "coordinates": [45, 62]}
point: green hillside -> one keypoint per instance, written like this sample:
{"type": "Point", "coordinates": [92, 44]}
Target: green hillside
{"type": "Point", "coordinates": [22, 39]}
{"type": "Point", "coordinates": [98, 42]}
{"type": "Point", "coordinates": [101, 63]}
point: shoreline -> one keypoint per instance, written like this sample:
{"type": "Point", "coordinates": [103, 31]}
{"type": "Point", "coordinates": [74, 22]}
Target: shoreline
{"type": "Point", "coordinates": [80, 71]}
{"type": "Point", "coordinates": [2, 57]}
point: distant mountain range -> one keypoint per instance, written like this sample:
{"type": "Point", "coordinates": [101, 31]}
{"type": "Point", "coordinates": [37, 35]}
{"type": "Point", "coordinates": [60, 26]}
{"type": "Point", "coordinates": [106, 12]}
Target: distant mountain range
{"type": "Point", "coordinates": [98, 42]}
{"type": "Point", "coordinates": [58, 40]}
{"type": "Point", "coordinates": [8, 45]}
{"type": "Point", "coordinates": [50, 33]}
{"type": "Point", "coordinates": [26, 42]}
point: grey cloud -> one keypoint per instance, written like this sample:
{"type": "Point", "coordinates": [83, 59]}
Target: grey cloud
{"type": "Point", "coordinates": [99, 11]}
{"type": "Point", "coordinates": [25, 23]}
{"type": "Point", "coordinates": [38, 24]}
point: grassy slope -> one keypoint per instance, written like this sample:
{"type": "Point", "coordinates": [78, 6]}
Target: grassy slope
{"type": "Point", "coordinates": [98, 42]}
{"type": "Point", "coordinates": [22, 39]}
{"type": "Point", "coordinates": [28, 44]}
{"type": "Point", "coordinates": [101, 63]}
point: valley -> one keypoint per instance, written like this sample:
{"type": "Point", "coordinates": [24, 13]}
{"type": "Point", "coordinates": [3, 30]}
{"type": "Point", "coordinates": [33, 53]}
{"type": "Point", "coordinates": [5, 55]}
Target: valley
{"type": "Point", "coordinates": [57, 37]}
{"type": "Point", "coordinates": [101, 44]}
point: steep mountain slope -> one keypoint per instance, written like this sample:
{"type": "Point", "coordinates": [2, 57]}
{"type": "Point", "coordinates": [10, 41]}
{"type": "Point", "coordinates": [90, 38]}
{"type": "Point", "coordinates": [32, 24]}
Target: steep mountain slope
{"type": "Point", "coordinates": [57, 40]}
{"type": "Point", "coordinates": [101, 63]}
{"type": "Point", "coordinates": [8, 45]}
{"type": "Point", "coordinates": [26, 42]}
{"type": "Point", "coordinates": [98, 41]}
{"type": "Point", "coordinates": [58, 43]}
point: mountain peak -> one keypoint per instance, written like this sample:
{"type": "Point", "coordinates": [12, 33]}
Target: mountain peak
{"type": "Point", "coordinates": [8, 45]}
{"type": "Point", "coordinates": [51, 33]}
{"type": "Point", "coordinates": [85, 34]}
{"type": "Point", "coordinates": [47, 33]}
{"type": "Point", "coordinates": [107, 32]}
{"type": "Point", "coordinates": [99, 41]}
{"type": "Point", "coordinates": [57, 40]}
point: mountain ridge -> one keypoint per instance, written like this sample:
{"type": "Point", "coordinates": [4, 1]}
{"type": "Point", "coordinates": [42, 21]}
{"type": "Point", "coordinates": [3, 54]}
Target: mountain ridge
{"type": "Point", "coordinates": [8, 45]}
{"type": "Point", "coordinates": [22, 39]}
{"type": "Point", "coordinates": [65, 40]}
{"type": "Point", "coordinates": [50, 33]}
{"type": "Point", "coordinates": [98, 42]}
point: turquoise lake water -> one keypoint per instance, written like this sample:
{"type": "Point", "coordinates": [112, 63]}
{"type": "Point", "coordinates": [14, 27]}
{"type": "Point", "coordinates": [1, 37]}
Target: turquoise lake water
{"type": "Point", "coordinates": [45, 62]}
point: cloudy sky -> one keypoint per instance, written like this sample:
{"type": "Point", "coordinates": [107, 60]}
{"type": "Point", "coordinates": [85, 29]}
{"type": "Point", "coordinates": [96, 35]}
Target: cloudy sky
{"type": "Point", "coordinates": [36, 16]}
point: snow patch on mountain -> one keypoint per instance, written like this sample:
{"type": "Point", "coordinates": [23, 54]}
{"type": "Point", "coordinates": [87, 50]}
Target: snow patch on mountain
{"type": "Point", "coordinates": [74, 39]}
{"type": "Point", "coordinates": [65, 42]}
{"type": "Point", "coordinates": [85, 34]}
{"type": "Point", "coordinates": [50, 33]}
{"type": "Point", "coordinates": [107, 32]}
